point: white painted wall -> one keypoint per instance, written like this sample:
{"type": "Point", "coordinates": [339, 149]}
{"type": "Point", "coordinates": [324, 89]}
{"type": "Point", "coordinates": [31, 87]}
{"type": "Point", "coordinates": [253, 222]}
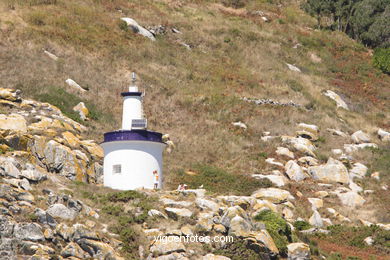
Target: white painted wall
{"type": "Point", "coordinates": [138, 159]}
{"type": "Point", "coordinates": [132, 109]}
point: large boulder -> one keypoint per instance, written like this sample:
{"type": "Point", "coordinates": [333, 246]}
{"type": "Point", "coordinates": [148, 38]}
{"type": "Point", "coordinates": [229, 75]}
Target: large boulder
{"type": "Point", "coordinates": [61, 211]}
{"type": "Point", "coordinates": [384, 135]}
{"type": "Point", "coordinates": [283, 151]}
{"type": "Point", "coordinates": [8, 167]}
{"type": "Point", "coordinates": [14, 122]}
{"type": "Point", "coordinates": [29, 231]}
{"type": "Point", "coordinates": [61, 159]}
{"type": "Point", "coordinates": [358, 170]}
{"type": "Point", "coordinates": [167, 245]}
{"type": "Point", "coordinates": [239, 226]}
{"type": "Point", "coordinates": [175, 213]}
{"type": "Point", "coordinates": [360, 137]}
{"type": "Point", "coordinates": [298, 251]}
{"type": "Point", "coordinates": [265, 238]}
{"type": "Point", "coordinates": [278, 180]}
{"type": "Point", "coordinates": [316, 220]}
{"type": "Point", "coordinates": [274, 195]}
{"type": "Point", "coordinates": [300, 144]}
{"type": "Point", "coordinates": [294, 171]}
{"type": "Point", "coordinates": [32, 173]}
{"type": "Point", "coordinates": [351, 199]}
{"type": "Point", "coordinates": [206, 204]}
{"type": "Point", "coordinates": [339, 102]}
{"type": "Point", "coordinates": [332, 171]}
{"type": "Point", "coordinates": [138, 28]}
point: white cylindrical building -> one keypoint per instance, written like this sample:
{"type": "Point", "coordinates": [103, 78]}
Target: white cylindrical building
{"type": "Point", "coordinates": [133, 155]}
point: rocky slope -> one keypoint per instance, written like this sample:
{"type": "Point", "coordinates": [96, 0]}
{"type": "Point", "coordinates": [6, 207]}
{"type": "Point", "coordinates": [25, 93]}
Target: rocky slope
{"type": "Point", "coordinates": [46, 214]}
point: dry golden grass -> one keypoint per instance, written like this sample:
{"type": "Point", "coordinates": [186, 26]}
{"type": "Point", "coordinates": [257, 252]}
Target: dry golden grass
{"type": "Point", "coordinates": [194, 95]}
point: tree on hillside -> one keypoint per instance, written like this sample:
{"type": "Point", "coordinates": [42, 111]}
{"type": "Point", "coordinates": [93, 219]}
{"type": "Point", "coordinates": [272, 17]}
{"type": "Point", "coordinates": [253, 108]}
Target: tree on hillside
{"type": "Point", "coordinates": [370, 22]}
{"type": "Point", "coordinates": [318, 9]}
{"type": "Point", "coordinates": [367, 21]}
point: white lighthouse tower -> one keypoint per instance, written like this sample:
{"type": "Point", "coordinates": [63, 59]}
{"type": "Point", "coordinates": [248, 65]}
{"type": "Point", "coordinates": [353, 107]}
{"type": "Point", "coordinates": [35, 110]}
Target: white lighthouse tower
{"type": "Point", "coordinates": [133, 155]}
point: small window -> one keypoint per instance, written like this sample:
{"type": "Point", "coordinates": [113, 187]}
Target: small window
{"type": "Point", "coordinates": [116, 169]}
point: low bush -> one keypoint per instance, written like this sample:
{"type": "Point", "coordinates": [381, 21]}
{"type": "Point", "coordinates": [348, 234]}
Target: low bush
{"type": "Point", "coordinates": [301, 225]}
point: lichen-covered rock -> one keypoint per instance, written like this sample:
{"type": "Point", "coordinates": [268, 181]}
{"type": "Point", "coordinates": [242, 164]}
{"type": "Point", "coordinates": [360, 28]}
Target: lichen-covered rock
{"type": "Point", "coordinates": [14, 122]}
{"type": "Point", "coordinates": [71, 140]}
{"type": "Point", "coordinates": [274, 195]}
{"type": "Point", "coordinates": [32, 173]}
{"type": "Point", "coordinates": [73, 249]}
{"type": "Point", "coordinates": [10, 94]}
{"type": "Point", "coordinates": [298, 251]}
{"type": "Point", "coordinates": [29, 231]}
{"type": "Point", "coordinates": [59, 158]}
{"type": "Point", "coordinates": [8, 167]}
{"type": "Point", "coordinates": [300, 144]}
{"type": "Point", "coordinates": [82, 110]}
{"type": "Point", "coordinates": [61, 211]}
{"type": "Point", "coordinates": [97, 249]}
{"type": "Point", "coordinates": [238, 226]}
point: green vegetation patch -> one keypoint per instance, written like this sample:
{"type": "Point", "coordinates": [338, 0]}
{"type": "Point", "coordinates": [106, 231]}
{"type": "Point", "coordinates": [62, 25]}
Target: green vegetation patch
{"type": "Point", "coordinates": [66, 101]}
{"type": "Point", "coordinates": [277, 227]}
{"type": "Point", "coordinates": [217, 180]}
{"type": "Point", "coordinates": [354, 236]}
{"type": "Point", "coordinates": [381, 59]}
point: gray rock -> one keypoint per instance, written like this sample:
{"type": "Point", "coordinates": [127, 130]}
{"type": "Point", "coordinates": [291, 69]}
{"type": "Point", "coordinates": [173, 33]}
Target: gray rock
{"type": "Point", "coordinates": [73, 249]}
{"type": "Point", "coordinates": [29, 231]}
{"type": "Point", "coordinates": [206, 204]}
{"type": "Point", "coordinates": [8, 167]}
{"type": "Point", "coordinates": [33, 174]}
{"type": "Point", "coordinates": [137, 28]}
{"type": "Point", "coordinates": [61, 211]}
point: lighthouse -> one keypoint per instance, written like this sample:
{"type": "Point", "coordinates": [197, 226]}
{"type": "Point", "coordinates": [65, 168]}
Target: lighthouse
{"type": "Point", "coordinates": [133, 154]}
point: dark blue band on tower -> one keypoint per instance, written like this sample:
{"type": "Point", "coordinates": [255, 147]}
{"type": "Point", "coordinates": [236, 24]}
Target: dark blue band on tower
{"type": "Point", "coordinates": [126, 94]}
{"type": "Point", "coordinates": [133, 135]}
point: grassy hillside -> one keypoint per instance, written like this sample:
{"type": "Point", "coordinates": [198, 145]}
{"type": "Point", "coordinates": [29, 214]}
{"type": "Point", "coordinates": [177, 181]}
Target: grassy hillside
{"type": "Point", "coordinates": [195, 95]}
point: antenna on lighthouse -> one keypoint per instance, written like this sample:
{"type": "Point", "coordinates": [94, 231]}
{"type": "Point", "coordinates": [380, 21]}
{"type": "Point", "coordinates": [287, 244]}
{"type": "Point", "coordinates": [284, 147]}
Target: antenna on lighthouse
{"type": "Point", "coordinates": [133, 77]}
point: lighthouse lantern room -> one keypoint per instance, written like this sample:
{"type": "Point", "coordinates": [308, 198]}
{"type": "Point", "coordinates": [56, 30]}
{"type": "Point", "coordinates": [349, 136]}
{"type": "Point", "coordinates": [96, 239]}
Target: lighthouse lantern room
{"type": "Point", "coordinates": [133, 154]}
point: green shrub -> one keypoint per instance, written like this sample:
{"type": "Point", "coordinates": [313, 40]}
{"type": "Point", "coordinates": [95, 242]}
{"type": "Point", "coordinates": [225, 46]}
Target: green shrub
{"type": "Point", "coordinates": [218, 180]}
{"type": "Point", "coordinates": [381, 59]}
{"type": "Point", "coordinates": [241, 249]}
{"type": "Point", "coordinates": [278, 228]}
{"type": "Point", "coordinates": [301, 225]}
{"type": "Point", "coordinates": [114, 210]}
